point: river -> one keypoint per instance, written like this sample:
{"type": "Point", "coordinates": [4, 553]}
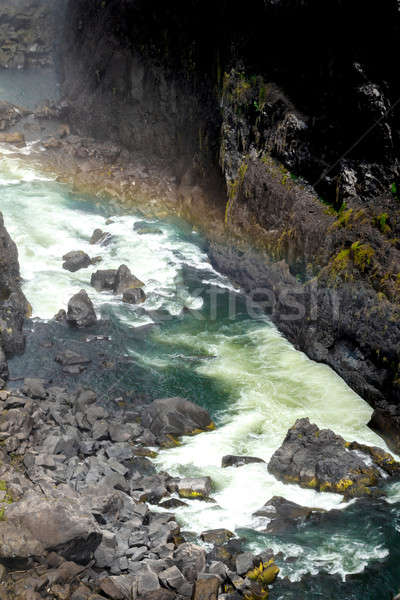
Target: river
{"type": "Point", "coordinates": [207, 347]}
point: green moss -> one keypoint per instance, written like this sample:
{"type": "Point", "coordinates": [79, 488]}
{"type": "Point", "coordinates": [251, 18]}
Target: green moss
{"type": "Point", "coordinates": [362, 255]}
{"type": "Point", "coordinates": [381, 221]}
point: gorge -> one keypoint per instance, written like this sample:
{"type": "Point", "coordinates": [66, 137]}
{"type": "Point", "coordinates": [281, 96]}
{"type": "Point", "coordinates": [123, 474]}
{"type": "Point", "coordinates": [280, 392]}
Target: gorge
{"type": "Point", "coordinates": [251, 186]}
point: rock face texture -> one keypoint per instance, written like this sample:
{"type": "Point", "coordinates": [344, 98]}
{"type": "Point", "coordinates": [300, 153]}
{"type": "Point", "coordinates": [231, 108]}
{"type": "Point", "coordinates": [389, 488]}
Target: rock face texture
{"type": "Point", "coordinates": [28, 32]}
{"type": "Point", "coordinates": [305, 146]}
{"type": "Point", "coordinates": [320, 459]}
{"type": "Point", "coordinates": [13, 304]}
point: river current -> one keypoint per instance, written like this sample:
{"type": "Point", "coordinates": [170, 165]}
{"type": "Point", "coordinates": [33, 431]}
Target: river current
{"type": "Point", "coordinates": [207, 347]}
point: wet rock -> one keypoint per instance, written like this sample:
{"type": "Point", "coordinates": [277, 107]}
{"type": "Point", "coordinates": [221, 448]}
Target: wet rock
{"type": "Point", "coordinates": [134, 296]}
{"type": "Point", "coordinates": [70, 358]}
{"type": "Point", "coordinates": [195, 488]}
{"type": "Point", "coordinates": [100, 237]}
{"type": "Point", "coordinates": [81, 311]}
{"type": "Point", "coordinates": [125, 281]}
{"type": "Point", "coordinates": [321, 460]}
{"type": "Point", "coordinates": [239, 461]}
{"type": "Point", "coordinates": [206, 587]}
{"type": "Point", "coordinates": [16, 139]}
{"type": "Point", "coordinates": [61, 316]}
{"type": "Point", "coordinates": [76, 260]}
{"type": "Point", "coordinates": [284, 514]}
{"type": "Point", "coordinates": [218, 537]}
{"type": "Point", "coordinates": [143, 228]}
{"type": "Point", "coordinates": [103, 279]}
{"type": "Point", "coordinates": [173, 503]}
{"type": "Point", "coordinates": [385, 421]}
{"type": "Point", "coordinates": [170, 417]}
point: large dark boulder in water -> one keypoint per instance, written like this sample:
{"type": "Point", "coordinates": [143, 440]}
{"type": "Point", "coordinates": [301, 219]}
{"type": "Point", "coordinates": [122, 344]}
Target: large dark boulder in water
{"type": "Point", "coordinates": [168, 418]}
{"type": "Point", "coordinates": [81, 311]}
{"type": "Point", "coordinates": [239, 461]}
{"type": "Point", "coordinates": [124, 281]}
{"type": "Point", "coordinates": [75, 260]}
{"type": "Point", "coordinates": [385, 421]}
{"type": "Point", "coordinates": [104, 279]}
{"type": "Point", "coordinates": [134, 296]}
{"type": "Point", "coordinates": [283, 514]}
{"type": "Point", "coordinates": [319, 459]}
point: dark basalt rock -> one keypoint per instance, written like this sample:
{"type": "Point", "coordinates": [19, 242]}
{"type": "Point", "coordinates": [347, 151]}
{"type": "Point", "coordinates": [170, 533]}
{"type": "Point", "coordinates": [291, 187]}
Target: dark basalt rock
{"type": "Point", "coordinates": [125, 281]}
{"type": "Point", "coordinates": [76, 260]}
{"type": "Point", "coordinates": [143, 228]}
{"type": "Point", "coordinates": [170, 417]}
{"type": "Point", "coordinates": [319, 459]}
{"type": "Point", "coordinates": [13, 305]}
{"type": "Point", "coordinates": [81, 311]}
{"type": "Point", "coordinates": [284, 514]}
{"type": "Point", "coordinates": [100, 237]}
{"type": "Point", "coordinates": [385, 421]}
{"type": "Point", "coordinates": [134, 296]}
{"type": "Point", "coordinates": [103, 279]}
{"type": "Point", "coordinates": [218, 537]}
{"type": "Point", "coordinates": [239, 461]}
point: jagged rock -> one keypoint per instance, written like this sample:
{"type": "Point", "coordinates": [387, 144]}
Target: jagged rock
{"type": "Point", "coordinates": [385, 421]}
{"type": "Point", "coordinates": [103, 279]}
{"type": "Point", "coordinates": [142, 228]}
{"type": "Point", "coordinates": [206, 587]}
{"type": "Point", "coordinates": [218, 537]}
{"type": "Point", "coordinates": [172, 578]}
{"type": "Point", "coordinates": [170, 417]}
{"type": "Point", "coordinates": [58, 524]}
{"type": "Point", "coordinates": [320, 459]}
{"type": "Point", "coordinates": [34, 388]}
{"type": "Point", "coordinates": [195, 488]}
{"type": "Point", "coordinates": [134, 296]}
{"type": "Point", "coordinates": [70, 358]}
{"type": "Point", "coordinates": [76, 260]}
{"type": "Point", "coordinates": [284, 514]}
{"type": "Point", "coordinates": [81, 311]}
{"type": "Point", "coordinates": [100, 237]}
{"type": "Point", "coordinates": [191, 560]}
{"type": "Point", "coordinates": [125, 281]}
{"type": "Point", "coordinates": [244, 562]}
{"type": "Point", "coordinates": [173, 503]}
{"type": "Point", "coordinates": [16, 139]}
{"type": "Point", "coordinates": [239, 461]}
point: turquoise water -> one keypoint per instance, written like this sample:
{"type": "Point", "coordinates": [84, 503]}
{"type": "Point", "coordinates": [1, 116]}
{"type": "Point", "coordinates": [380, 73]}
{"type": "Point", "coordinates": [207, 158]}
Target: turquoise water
{"type": "Point", "coordinates": [202, 344]}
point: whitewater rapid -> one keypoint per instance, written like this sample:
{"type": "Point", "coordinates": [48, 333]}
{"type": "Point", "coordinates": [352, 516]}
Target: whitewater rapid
{"type": "Point", "coordinates": [270, 383]}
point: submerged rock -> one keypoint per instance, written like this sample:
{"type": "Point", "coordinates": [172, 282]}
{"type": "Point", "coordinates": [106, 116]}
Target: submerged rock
{"type": "Point", "coordinates": [16, 139]}
{"type": "Point", "coordinates": [142, 228]}
{"type": "Point", "coordinates": [239, 461]}
{"type": "Point", "coordinates": [319, 459]}
{"type": "Point", "coordinates": [76, 260]}
{"type": "Point", "coordinates": [168, 418]}
{"type": "Point", "coordinates": [81, 310]}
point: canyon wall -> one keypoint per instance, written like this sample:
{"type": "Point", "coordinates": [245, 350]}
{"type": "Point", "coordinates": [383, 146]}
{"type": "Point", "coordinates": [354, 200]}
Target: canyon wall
{"type": "Point", "coordinates": [295, 111]}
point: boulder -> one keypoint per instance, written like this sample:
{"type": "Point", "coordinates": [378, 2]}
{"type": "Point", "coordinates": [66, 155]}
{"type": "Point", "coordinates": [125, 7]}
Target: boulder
{"type": "Point", "coordinates": [124, 281]}
{"type": "Point", "coordinates": [170, 417]}
{"type": "Point", "coordinates": [104, 279]}
{"type": "Point", "coordinates": [195, 488]}
{"type": "Point", "coordinates": [319, 459]}
{"type": "Point", "coordinates": [59, 524]}
{"type": "Point", "coordinates": [239, 461]}
{"type": "Point", "coordinates": [190, 560]}
{"type": "Point", "coordinates": [206, 587]}
{"type": "Point", "coordinates": [218, 537]}
{"type": "Point", "coordinates": [34, 388]}
{"type": "Point", "coordinates": [81, 311]}
{"type": "Point", "coordinates": [16, 139]}
{"type": "Point", "coordinates": [385, 421]}
{"type": "Point", "coordinates": [100, 237]}
{"type": "Point", "coordinates": [134, 296]}
{"type": "Point", "coordinates": [283, 514]}
{"type": "Point", "coordinates": [143, 228]}
{"type": "Point", "coordinates": [75, 260]}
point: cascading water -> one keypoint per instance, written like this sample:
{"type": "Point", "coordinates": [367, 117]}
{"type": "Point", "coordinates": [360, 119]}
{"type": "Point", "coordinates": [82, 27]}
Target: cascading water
{"type": "Point", "coordinates": [252, 380]}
